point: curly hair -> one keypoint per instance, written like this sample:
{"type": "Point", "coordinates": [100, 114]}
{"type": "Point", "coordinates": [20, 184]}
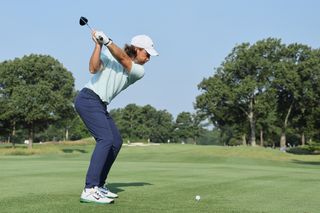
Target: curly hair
{"type": "Point", "coordinates": [130, 50]}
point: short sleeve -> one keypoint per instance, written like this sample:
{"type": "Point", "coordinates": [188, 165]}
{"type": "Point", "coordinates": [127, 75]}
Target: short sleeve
{"type": "Point", "coordinates": [136, 73]}
{"type": "Point", "coordinates": [105, 58]}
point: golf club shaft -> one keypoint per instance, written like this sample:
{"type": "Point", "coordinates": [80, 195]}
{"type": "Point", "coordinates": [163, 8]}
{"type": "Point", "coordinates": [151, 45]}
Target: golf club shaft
{"type": "Point", "coordinates": [100, 38]}
{"type": "Point", "coordinates": [89, 27]}
{"type": "Point", "coordinates": [84, 21]}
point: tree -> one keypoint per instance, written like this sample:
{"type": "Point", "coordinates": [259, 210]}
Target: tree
{"type": "Point", "coordinates": [216, 104]}
{"type": "Point", "coordinates": [129, 122]}
{"type": "Point", "coordinates": [188, 126]}
{"type": "Point", "coordinates": [297, 85]}
{"type": "Point", "coordinates": [308, 68]}
{"type": "Point", "coordinates": [8, 116]}
{"type": "Point", "coordinates": [147, 122]}
{"type": "Point", "coordinates": [210, 137]}
{"type": "Point", "coordinates": [38, 91]}
{"type": "Point", "coordinates": [162, 128]}
{"type": "Point", "coordinates": [231, 96]}
{"type": "Point", "coordinates": [267, 117]}
{"type": "Point", "coordinates": [272, 86]}
{"type": "Point", "coordinates": [78, 130]}
{"type": "Point", "coordinates": [144, 123]}
{"type": "Point", "coordinates": [183, 125]}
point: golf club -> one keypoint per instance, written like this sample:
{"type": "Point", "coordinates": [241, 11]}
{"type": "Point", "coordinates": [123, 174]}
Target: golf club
{"type": "Point", "coordinates": [84, 21]}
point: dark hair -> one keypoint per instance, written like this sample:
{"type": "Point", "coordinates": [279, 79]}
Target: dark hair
{"type": "Point", "coordinates": [130, 50]}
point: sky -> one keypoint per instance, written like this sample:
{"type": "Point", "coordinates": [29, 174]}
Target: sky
{"type": "Point", "coordinates": [193, 37]}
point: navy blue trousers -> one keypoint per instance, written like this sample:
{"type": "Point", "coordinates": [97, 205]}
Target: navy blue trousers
{"type": "Point", "coordinates": [94, 114]}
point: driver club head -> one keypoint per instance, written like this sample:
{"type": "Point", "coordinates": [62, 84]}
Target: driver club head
{"type": "Point", "coordinates": [84, 21]}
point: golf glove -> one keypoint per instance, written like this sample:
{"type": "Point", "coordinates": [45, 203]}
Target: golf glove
{"type": "Point", "coordinates": [102, 38]}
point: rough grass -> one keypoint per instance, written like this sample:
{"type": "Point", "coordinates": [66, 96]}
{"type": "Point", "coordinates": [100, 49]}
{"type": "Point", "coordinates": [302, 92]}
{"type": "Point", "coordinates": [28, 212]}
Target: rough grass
{"type": "Point", "coordinates": [44, 148]}
{"type": "Point", "coordinates": [164, 178]}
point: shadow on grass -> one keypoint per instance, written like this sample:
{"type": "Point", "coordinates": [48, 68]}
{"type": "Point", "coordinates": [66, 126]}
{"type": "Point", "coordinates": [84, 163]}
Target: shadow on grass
{"type": "Point", "coordinates": [74, 150]}
{"type": "Point", "coordinates": [117, 187]}
{"type": "Point", "coordinates": [315, 163]}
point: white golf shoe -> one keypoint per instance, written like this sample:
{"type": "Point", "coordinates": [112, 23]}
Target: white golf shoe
{"type": "Point", "coordinates": [107, 193]}
{"type": "Point", "coordinates": [94, 195]}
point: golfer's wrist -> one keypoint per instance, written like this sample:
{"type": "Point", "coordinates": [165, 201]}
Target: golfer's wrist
{"type": "Point", "coordinates": [108, 42]}
{"type": "Point", "coordinates": [98, 46]}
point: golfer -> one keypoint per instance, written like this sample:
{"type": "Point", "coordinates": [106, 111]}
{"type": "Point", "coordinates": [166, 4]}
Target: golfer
{"type": "Point", "coordinates": [113, 71]}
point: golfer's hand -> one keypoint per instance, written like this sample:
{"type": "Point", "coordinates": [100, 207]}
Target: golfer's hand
{"type": "Point", "coordinates": [101, 38]}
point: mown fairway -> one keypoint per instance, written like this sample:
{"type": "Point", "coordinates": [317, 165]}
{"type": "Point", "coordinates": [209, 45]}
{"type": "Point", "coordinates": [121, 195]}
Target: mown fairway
{"type": "Point", "coordinates": [164, 178]}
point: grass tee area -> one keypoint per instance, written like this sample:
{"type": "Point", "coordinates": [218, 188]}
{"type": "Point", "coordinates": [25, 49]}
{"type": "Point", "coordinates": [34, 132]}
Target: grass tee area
{"type": "Point", "coordinates": [164, 178]}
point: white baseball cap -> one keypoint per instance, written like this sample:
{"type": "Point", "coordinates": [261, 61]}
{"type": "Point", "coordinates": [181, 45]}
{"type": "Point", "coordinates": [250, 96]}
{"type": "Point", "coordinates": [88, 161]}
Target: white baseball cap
{"type": "Point", "coordinates": [145, 42]}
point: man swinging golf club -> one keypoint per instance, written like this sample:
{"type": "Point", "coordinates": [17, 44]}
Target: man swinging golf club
{"type": "Point", "coordinates": [113, 69]}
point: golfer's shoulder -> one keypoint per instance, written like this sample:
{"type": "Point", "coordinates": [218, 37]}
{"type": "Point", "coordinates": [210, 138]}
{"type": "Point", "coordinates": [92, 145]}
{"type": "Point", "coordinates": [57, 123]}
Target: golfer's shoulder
{"type": "Point", "coordinates": [137, 71]}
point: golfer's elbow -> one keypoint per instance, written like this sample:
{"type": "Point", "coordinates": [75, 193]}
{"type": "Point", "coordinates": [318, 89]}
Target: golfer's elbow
{"type": "Point", "coordinates": [92, 70]}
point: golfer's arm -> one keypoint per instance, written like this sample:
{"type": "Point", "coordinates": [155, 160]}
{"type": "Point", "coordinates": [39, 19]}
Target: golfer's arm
{"type": "Point", "coordinates": [120, 56]}
{"type": "Point", "coordinates": [95, 62]}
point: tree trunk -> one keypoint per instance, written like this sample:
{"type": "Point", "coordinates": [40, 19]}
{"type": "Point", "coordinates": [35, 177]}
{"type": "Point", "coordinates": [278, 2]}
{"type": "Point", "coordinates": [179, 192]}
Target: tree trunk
{"type": "Point", "coordinates": [66, 134]}
{"type": "Point", "coordinates": [303, 139]}
{"type": "Point", "coordinates": [252, 125]}
{"type": "Point", "coordinates": [221, 138]}
{"type": "Point", "coordinates": [261, 138]}
{"type": "Point", "coordinates": [31, 136]}
{"type": "Point", "coordinates": [13, 135]}
{"type": "Point", "coordinates": [244, 140]}
{"type": "Point", "coordinates": [283, 133]}
{"type": "Point", "coordinates": [283, 139]}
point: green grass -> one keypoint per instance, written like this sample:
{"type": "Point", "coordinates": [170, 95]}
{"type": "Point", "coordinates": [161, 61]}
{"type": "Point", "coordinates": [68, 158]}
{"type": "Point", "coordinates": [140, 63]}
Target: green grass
{"type": "Point", "coordinates": [163, 178]}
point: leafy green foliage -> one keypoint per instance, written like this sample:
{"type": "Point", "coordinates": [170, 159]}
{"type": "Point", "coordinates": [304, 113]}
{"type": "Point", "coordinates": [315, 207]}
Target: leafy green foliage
{"type": "Point", "coordinates": [36, 91]}
{"type": "Point", "coordinates": [267, 88]}
{"type": "Point", "coordinates": [143, 123]}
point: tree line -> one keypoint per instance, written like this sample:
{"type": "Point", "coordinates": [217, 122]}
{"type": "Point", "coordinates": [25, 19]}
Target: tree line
{"type": "Point", "coordinates": [35, 91]}
{"type": "Point", "coordinates": [267, 91]}
{"type": "Point", "coordinates": [36, 99]}
{"type": "Point", "coordinates": [264, 93]}
{"type": "Point", "coordinates": [158, 126]}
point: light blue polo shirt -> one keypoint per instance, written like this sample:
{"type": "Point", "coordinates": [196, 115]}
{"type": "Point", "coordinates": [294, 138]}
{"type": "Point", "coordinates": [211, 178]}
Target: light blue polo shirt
{"type": "Point", "coordinates": [113, 78]}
